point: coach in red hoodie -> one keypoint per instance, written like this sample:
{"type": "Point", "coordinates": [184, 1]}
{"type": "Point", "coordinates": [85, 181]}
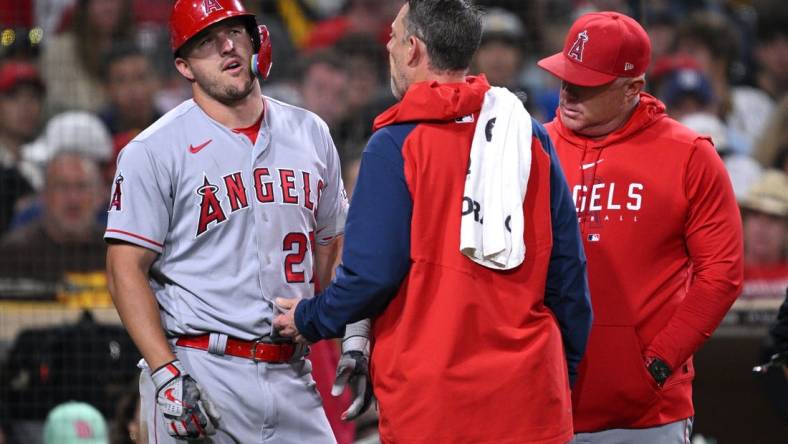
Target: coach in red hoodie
{"type": "Point", "coordinates": [661, 231]}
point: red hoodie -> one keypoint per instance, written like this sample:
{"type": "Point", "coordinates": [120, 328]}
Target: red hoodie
{"type": "Point", "coordinates": [663, 237]}
{"type": "Point", "coordinates": [462, 353]}
{"type": "Point", "coordinates": [461, 348]}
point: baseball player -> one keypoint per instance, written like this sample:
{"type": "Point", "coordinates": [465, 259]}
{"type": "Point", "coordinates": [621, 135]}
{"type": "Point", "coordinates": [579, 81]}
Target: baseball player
{"type": "Point", "coordinates": [218, 207]}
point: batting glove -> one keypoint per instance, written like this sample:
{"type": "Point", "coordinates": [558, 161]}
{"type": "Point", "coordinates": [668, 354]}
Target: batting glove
{"type": "Point", "coordinates": [353, 369]}
{"type": "Point", "coordinates": [188, 411]}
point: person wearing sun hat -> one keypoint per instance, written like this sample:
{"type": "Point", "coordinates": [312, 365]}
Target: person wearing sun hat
{"type": "Point", "coordinates": [765, 219]}
{"type": "Point", "coordinates": [661, 231]}
{"type": "Point", "coordinates": [75, 423]}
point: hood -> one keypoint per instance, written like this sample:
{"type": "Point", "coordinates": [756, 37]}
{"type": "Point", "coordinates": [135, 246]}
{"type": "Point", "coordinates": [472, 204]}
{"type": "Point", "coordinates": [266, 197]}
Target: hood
{"type": "Point", "coordinates": [433, 101]}
{"type": "Point", "coordinates": [647, 112]}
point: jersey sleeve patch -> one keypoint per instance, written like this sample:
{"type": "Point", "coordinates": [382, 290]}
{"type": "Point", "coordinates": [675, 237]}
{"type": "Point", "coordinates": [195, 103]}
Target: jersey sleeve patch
{"type": "Point", "coordinates": [116, 204]}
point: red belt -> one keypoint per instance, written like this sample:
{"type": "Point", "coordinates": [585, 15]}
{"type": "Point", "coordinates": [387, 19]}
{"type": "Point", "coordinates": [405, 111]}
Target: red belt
{"type": "Point", "coordinates": [254, 350]}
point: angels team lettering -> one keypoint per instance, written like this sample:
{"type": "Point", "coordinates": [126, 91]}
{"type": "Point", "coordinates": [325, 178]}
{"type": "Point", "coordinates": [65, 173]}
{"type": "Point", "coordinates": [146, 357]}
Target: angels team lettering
{"type": "Point", "coordinates": [605, 196]}
{"type": "Point", "coordinates": [220, 198]}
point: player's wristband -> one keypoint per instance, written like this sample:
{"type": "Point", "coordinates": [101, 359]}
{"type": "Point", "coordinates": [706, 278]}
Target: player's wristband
{"type": "Point", "coordinates": [357, 337]}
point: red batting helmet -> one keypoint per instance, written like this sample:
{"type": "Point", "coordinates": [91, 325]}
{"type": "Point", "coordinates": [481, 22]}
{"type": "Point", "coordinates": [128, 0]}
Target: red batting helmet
{"type": "Point", "coordinates": [189, 17]}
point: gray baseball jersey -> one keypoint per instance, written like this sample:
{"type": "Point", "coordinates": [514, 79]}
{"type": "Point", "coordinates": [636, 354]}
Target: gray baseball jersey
{"type": "Point", "coordinates": [234, 224]}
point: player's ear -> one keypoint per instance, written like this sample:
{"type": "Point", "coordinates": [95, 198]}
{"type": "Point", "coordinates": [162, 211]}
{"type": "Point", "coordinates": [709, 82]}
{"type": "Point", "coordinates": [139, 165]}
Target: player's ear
{"type": "Point", "coordinates": [183, 67]}
{"type": "Point", "coordinates": [416, 50]}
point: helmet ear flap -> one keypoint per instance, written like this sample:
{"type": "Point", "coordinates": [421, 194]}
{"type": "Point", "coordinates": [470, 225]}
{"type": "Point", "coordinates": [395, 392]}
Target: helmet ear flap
{"type": "Point", "coordinates": [261, 62]}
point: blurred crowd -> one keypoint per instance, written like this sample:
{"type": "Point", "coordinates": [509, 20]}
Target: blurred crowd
{"type": "Point", "coordinates": [80, 78]}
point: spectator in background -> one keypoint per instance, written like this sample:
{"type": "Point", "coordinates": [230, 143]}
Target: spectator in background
{"type": "Point", "coordinates": [78, 131]}
{"type": "Point", "coordinates": [130, 84]}
{"type": "Point", "coordinates": [21, 95]}
{"type": "Point", "coordinates": [771, 47]}
{"type": "Point", "coordinates": [686, 90]}
{"type": "Point", "coordinates": [765, 217]}
{"type": "Point", "coordinates": [711, 40]}
{"type": "Point", "coordinates": [364, 64]}
{"type": "Point", "coordinates": [366, 93]}
{"type": "Point", "coordinates": [502, 59]}
{"type": "Point", "coordinates": [67, 238]}
{"type": "Point", "coordinates": [772, 148]}
{"type": "Point", "coordinates": [660, 24]}
{"type": "Point", "coordinates": [75, 423]}
{"type": "Point", "coordinates": [71, 62]}
{"type": "Point", "coordinates": [369, 17]}
{"type": "Point", "coordinates": [324, 88]}
{"type": "Point", "coordinates": [126, 425]}
{"type": "Point", "coordinates": [500, 55]}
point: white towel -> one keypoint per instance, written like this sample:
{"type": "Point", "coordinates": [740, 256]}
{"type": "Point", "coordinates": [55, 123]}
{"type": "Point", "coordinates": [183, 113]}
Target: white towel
{"type": "Point", "coordinates": [491, 230]}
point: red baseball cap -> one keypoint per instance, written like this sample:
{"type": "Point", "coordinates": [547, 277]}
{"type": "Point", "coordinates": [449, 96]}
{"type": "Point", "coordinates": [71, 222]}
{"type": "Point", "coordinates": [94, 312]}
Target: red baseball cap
{"type": "Point", "coordinates": [600, 47]}
{"type": "Point", "coordinates": [15, 73]}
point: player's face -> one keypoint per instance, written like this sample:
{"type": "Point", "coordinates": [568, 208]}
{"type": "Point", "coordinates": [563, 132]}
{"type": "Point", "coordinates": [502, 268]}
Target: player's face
{"type": "Point", "coordinates": [590, 110]}
{"type": "Point", "coordinates": [398, 49]}
{"type": "Point", "coordinates": [218, 60]}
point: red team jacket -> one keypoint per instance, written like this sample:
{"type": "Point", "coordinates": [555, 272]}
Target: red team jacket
{"type": "Point", "coordinates": [663, 237]}
{"type": "Point", "coordinates": [462, 353]}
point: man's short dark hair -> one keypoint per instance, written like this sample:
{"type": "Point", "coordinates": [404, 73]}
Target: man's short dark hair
{"type": "Point", "coordinates": [451, 30]}
{"type": "Point", "coordinates": [715, 32]}
{"type": "Point", "coordinates": [119, 51]}
{"type": "Point", "coordinates": [327, 57]}
{"type": "Point", "coordinates": [772, 21]}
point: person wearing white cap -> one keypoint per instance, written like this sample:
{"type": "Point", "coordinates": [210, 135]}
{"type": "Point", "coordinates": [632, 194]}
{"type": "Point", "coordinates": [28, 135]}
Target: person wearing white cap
{"type": "Point", "coordinates": [71, 131]}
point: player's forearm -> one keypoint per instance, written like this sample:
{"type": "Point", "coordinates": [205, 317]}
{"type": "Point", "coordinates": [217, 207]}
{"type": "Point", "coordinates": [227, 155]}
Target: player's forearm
{"type": "Point", "coordinates": [137, 307]}
{"type": "Point", "coordinates": [326, 260]}
{"type": "Point", "coordinates": [351, 297]}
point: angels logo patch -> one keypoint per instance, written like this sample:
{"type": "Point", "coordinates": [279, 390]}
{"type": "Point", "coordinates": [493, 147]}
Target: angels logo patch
{"type": "Point", "coordinates": [211, 6]}
{"type": "Point", "coordinates": [576, 51]}
{"type": "Point", "coordinates": [116, 202]}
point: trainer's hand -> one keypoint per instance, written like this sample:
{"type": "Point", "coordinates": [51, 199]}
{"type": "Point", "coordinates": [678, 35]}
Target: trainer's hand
{"type": "Point", "coordinates": [188, 411]}
{"type": "Point", "coordinates": [284, 323]}
{"type": "Point", "coordinates": [353, 369]}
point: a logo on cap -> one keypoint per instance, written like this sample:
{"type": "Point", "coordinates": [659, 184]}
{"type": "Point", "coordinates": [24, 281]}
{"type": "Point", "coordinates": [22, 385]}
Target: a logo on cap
{"type": "Point", "coordinates": [576, 51]}
{"type": "Point", "coordinates": [628, 66]}
{"type": "Point", "coordinates": [211, 6]}
{"type": "Point", "coordinates": [83, 429]}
